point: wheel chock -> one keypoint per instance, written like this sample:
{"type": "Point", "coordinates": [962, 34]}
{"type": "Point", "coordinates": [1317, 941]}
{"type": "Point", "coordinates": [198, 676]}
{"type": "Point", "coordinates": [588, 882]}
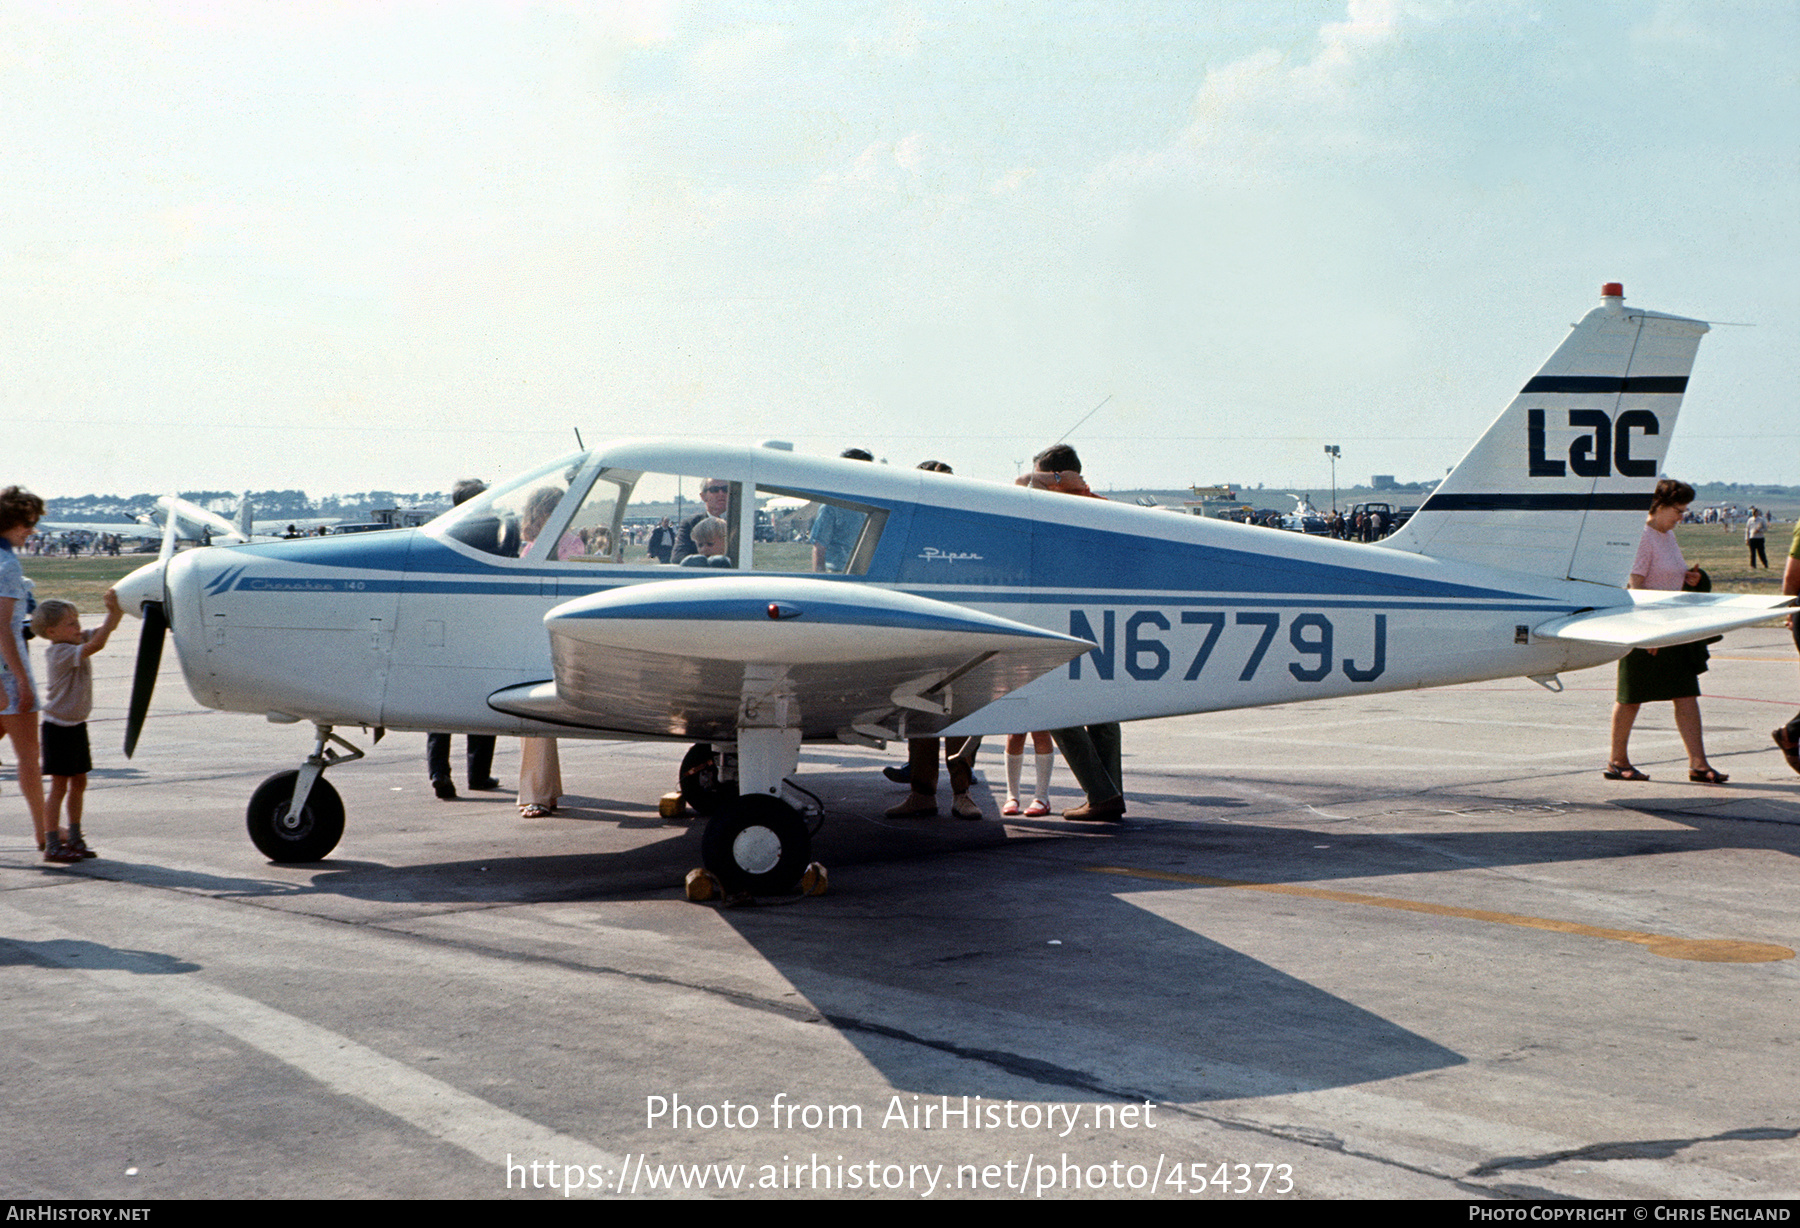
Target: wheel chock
{"type": "Point", "coordinates": [670, 806]}
{"type": "Point", "coordinates": [814, 880]}
{"type": "Point", "coordinates": [702, 886]}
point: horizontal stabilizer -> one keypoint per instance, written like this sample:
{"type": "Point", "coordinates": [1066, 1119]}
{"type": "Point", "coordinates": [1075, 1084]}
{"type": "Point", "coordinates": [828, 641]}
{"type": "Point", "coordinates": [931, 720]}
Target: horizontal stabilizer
{"type": "Point", "coordinates": [671, 658]}
{"type": "Point", "coordinates": [1657, 620]}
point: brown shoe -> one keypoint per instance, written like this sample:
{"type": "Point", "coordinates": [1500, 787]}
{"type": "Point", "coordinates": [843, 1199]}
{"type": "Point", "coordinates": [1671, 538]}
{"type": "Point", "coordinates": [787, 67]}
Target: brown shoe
{"type": "Point", "coordinates": [965, 807]}
{"type": "Point", "coordinates": [1110, 811]}
{"type": "Point", "coordinates": [916, 806]}
{"type": "Point", "coordinates": [1790, 749]}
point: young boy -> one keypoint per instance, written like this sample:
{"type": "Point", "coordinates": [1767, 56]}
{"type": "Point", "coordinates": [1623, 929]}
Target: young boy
{"type": "Point", "coordinates": [68, 698]}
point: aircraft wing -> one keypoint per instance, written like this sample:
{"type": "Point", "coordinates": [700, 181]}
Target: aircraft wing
{"type": "Point", "coordinates": [124, 528]}
{"type": "Point", "coordinates": [692, 658]}
{"type": "Point", "coordinates": [1656, 619]}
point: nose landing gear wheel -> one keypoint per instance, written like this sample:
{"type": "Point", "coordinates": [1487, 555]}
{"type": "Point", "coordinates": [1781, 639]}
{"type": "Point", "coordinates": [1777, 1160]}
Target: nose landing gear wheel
{"type": "Point", "coordinates": [307, 836]}
{"type": "Point", "coordinates": [757, 844]}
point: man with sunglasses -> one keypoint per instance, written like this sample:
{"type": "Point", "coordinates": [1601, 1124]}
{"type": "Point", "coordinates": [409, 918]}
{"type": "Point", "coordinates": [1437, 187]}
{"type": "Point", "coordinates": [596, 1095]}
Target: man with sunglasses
{"type": "Point", "coordinates": [715, 493]}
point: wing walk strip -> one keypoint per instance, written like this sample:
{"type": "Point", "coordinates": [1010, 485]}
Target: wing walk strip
{"type": "Point", "coordinates": [485, 1131]}
{"type": "Point", "coordinates": [1708, 950]}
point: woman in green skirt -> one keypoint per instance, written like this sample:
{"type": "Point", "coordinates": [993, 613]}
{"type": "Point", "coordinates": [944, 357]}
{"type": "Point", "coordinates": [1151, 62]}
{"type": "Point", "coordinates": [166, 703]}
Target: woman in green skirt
{"type": "Point", "coordinates": [1655, 675]}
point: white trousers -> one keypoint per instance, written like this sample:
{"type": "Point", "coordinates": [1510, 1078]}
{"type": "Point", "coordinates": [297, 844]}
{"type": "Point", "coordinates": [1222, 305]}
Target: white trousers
{"type": "Point", "coordinates": [540, 772]}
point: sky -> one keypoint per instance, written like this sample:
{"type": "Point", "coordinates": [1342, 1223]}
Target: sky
{"type": "Point", "coordinates": [352, 246]}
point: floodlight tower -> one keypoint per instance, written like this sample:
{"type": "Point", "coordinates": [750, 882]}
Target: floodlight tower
{"type": "Point", "coordinates": [1333, 451]}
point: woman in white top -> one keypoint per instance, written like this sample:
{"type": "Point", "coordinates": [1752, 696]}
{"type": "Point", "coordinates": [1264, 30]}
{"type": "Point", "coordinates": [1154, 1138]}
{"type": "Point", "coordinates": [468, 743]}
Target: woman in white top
{"type": "Point", "coordinates": [19, 514]}
{"type": "Point", "coordinates": [1656, 674]}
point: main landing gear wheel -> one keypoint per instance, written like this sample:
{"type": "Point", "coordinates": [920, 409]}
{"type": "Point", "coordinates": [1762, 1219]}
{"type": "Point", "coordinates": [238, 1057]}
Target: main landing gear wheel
{"type": "Point", "coordinates": [758, 844]}
{"type": "Point", "coordinates": [701, 787]}
{"type": "Point", "coordinates": [307, 836]}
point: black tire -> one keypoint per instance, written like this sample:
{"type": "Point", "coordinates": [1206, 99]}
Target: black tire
{"type": "Point", "coordinates": [310, 835]}
{"type": "Point", "coordinates": [701, 788]}
{"type": "Point", "coordinates": [759, 844]}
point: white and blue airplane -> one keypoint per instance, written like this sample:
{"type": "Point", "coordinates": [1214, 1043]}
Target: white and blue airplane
{"type": "Point", "coordinates": [952, 606]}
{"type": "Point", "coordinates": [190, 522]}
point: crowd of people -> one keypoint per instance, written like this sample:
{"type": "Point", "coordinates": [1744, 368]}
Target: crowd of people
{"type": "Point", "coordinates": [73, 542]}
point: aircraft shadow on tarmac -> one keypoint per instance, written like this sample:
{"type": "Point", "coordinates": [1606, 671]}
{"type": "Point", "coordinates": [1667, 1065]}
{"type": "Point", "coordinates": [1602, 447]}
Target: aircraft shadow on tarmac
{"type": "Point", "coordinates": [961, 958]}
{"type": "Point", "coordinates": [1059, 946]}
{"type": "Point", "coordinates": [944, 923]}
{"type": "Point", "coordinates": [988, 930]}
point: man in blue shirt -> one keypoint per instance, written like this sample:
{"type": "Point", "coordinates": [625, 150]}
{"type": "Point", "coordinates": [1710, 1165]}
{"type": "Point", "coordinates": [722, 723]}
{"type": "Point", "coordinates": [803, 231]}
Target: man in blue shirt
{"type": "Point", "coordinates": [835, 529]}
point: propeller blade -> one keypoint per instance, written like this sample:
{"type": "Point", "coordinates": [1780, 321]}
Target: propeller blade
{"type": "Point", "coordinates": [170, 529]}
{"type": "Point", "coordinates": [143, 678]}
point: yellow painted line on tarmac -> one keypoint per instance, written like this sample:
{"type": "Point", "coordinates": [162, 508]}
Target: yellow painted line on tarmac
{"type": "Point", "coordinates": [1710, 950]}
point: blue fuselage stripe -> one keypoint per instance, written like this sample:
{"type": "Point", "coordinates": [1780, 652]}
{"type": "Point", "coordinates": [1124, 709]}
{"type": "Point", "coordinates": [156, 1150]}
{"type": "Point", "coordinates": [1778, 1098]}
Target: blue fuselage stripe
{"type": "Point", "coordinates": [1059, 568]}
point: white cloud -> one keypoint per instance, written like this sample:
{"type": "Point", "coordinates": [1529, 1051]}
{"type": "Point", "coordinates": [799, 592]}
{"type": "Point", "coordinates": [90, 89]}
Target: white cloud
{"type": "Point", "coordinates": [1673, 27]}
{"type": "Point", "coordinates": [743, 58]}
{"type": "Point", "coordinates": [1011, 181]}
{"type": "Point", "coordinates": [909, 152]}
{"type": "Point", "coordinates": [1272, 109]}
{"type": "Point", "coordinates": [900, 37]}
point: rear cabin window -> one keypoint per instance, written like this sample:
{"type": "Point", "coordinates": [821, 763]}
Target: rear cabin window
{"type": "Point", "coordinates": [815, 533]}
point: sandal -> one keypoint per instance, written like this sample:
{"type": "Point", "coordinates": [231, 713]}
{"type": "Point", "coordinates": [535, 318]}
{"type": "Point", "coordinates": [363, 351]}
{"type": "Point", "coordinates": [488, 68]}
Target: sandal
{"type": "Point", "coordinates": [1790, 749]}
{"type": "Point", "coordinates": [1707, 776]}
{"type": "Point", "coordinates": [536, 812]}
{"type": "Point", "coordinates": [1623, 771]}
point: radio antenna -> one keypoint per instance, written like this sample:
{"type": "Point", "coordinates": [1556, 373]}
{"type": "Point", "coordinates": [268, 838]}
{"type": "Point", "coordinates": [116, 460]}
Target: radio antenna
{"type": "Point", "coordinates": [1090, 413]}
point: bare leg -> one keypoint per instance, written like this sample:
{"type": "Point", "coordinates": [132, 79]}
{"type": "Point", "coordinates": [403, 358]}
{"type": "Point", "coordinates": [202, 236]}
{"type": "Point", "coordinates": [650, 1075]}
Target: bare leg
{"type": "Point", "coordinates": [22, 728]}
{"type": "Point", "coordinates": [53, 800]}
{"type": "Point", "coordinates": [77, 792]}
{"type": "Point", "coordinates": [1687, 723]}
{"type": "Point", "coordinates": [1623, 717]}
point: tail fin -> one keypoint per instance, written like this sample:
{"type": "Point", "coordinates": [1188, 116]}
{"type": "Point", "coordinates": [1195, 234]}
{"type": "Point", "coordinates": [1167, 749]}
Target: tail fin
{"type": "Point", "coordinates": [1560, 483]}
{"type": "Point", "coordinates": [245, 523]}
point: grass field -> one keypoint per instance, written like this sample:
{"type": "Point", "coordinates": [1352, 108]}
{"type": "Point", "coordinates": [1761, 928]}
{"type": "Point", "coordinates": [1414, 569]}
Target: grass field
{"type": "Point", "coordinates": [82, 579]}
{"type": "Point", "coordinates": [1721, 553]}
{"type": "Point", "coordinates": [1727, 560]}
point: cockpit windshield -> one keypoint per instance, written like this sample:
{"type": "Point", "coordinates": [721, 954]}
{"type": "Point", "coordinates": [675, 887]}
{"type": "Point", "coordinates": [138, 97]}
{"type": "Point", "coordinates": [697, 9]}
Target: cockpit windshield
{"type": "Point", "coordinates": [506, 519]}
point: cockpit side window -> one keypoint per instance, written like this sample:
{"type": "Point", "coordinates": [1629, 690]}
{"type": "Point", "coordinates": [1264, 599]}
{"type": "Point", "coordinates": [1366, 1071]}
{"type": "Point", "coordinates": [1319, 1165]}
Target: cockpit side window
{"type": "Point", "coordinates": [667, 511]}
{"type": "Point", "coordinates": [817, 533]}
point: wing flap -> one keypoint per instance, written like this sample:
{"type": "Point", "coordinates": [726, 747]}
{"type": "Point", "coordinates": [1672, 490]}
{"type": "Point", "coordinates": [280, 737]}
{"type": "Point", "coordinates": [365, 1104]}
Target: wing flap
{"type": "Point", "coordinates": [1657, 620]}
